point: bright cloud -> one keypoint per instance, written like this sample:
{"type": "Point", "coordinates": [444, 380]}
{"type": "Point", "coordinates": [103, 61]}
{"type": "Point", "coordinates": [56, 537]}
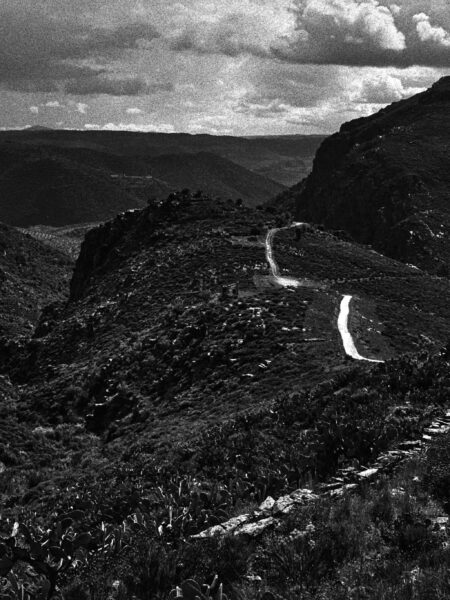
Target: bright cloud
{"type": "Point", "coordinates": [428, 33]}
{"type": "Point", "coordinates": [241, 66]}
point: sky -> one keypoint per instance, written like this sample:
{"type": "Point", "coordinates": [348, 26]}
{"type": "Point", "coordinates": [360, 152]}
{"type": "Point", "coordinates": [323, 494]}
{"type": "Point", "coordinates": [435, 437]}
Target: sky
{"type": "Point", "coordinates": [240, 67]}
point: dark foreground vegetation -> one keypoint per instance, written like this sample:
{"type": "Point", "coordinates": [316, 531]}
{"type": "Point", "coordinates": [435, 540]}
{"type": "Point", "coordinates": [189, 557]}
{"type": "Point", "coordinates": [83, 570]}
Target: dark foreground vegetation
{"type": "Point", "coordinates": [97, 519]}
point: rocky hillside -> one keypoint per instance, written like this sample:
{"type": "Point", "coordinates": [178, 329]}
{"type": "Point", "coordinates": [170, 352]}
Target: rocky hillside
{"type": "Point", "coordinates": [31, 276]}
{"type": "Point", "coordinates": [385, 180]}
{"type": "Point", "coordinates": [180, 387]}
{"type": "Point", "coordinates": [186, 289]}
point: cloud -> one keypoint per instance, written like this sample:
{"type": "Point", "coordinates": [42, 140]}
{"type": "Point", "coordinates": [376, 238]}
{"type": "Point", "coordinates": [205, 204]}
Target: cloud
{"type": "Point", "coordinates": [261, 111]}
{"type": "Point", "coordinates": [133, 86]}
{"type": "Point", "coordinates": [41, 53]}
{"type": "Point", "coordinates": [428, 33]}
{"type": "Point", "coordinates": [127, 86]}
{"type": "Point", "coordinates": [381, 88]}
{"type": "Point", "coordinates": [134, 111]}
{"type": "Point", "coordinates": [367, 33]}
{"type": "Point", "coordinates": [52, 104]}
{"type": "Point", "coordinates": [343, 32]}
{"type": "Point", "coordinates": [34, 110]}
{"type": "Point", "coordinates": [232, 35]}
{"type": "Point", "coordinates": [156, 127]}
{"type": "Point", "coordinates": [81, 107]}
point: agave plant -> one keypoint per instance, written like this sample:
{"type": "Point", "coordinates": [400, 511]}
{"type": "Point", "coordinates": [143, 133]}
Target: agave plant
{"type": "Point", "coordinates": [191, 590]}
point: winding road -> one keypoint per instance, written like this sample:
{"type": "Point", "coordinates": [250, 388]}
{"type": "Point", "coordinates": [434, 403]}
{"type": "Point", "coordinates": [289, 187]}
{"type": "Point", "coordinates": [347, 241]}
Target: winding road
{"type": "Point", "coordinates": [344, 309]}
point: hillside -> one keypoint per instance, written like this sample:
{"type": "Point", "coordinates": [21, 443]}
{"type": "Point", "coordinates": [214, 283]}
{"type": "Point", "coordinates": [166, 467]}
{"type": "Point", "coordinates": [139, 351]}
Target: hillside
{"type": "Point", "coordinates": [194, 272]}
{"type": "Point", "coordinates": [213, 175]}
{"type": "Point", "coordinates": [285, 159]}
{"type": "Point", "coordinates": [181, 385]}
{"type": "Point", "coordinates": [62, 186]}
{"type": "Point", "coordinates": [31, 276]}
{"type": "Point", "coordinates": [56, 191]}
{"type": "Point", "coordinates": [385, 180]}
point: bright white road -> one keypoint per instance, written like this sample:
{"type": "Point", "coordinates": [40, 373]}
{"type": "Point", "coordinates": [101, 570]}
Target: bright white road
{"type": "Point", "coordinates": [342, 323]}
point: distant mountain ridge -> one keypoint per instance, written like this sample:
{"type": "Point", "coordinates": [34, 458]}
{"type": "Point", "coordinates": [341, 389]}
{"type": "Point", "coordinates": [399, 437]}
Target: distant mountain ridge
{"type": "Point", "coordinates": [385, 180]}
{"type": "Point", "coordinates": [286, 159]}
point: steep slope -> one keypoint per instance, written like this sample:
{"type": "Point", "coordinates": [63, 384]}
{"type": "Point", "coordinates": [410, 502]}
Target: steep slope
{"type": "Point", "coordinates": [385, 180]}
{"type": "Point", "coordinates": [31, 276]}
{"type": "Point", "coordinates": [55, 191]}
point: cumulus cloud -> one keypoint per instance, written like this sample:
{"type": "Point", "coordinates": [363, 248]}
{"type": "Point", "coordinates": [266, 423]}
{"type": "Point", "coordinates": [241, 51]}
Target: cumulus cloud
{"type": "Point", "coordinates": [34, 110]}
{"type": "Point", "coordinates": [345, 32]}
{"type": "Point", "coordinates": [428, 33]}
{"type": "Point", "coordinates": [134, 111]}
{"type": "Point", "coordinates": [381, 89]}
{"type": "Point", "coordinates": [52, 104]}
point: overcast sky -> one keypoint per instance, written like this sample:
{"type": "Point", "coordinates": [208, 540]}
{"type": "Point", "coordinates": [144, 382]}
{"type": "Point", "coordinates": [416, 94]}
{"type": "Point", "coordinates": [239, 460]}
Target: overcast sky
{"type": "Point", "coordinates": [239, 67]}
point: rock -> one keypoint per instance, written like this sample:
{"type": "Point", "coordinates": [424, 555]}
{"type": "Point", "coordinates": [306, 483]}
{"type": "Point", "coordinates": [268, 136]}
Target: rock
{"type": "Point", "coordinates": [283, 505]}
{"type": "Point", "coordinates": [267, 505]}
{"type": "Point", "coordinates": [411, 444]}
{"type": "Point", "coordinates": [368, 473]}
{"type": "Point", "coordinates": [342, 490]}
{"type": "Point", "coordinates": [223, 528]}
{"type": "Point", "coordinates": [255, 529]}
{"type": "Point", "coordinates": [302, 496]}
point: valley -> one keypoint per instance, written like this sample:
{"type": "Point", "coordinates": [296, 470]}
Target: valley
{"type": "Point", "coordinates": [197, 389]}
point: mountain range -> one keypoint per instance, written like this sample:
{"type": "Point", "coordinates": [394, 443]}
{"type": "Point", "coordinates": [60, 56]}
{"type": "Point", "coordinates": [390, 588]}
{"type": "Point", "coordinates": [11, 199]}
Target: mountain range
{"type": "Point", "coordinates": [56, 178]}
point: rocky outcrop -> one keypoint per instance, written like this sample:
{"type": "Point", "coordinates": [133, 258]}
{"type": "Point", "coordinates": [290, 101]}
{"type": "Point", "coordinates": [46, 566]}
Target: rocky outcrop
{"type": "Point", "coordinates": [100, 248]}
{"type": "Point", "coordinates": [271, 512]}
{"type": "Point", "coordinates": [385, 178]}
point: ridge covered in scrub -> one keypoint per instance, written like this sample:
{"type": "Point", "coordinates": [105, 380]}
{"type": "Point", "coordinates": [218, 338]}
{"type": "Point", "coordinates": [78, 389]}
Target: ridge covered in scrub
{"type": "Point", "coordinates": [180, 386]}
{"type": "Point", "coordinates": [385, 178]}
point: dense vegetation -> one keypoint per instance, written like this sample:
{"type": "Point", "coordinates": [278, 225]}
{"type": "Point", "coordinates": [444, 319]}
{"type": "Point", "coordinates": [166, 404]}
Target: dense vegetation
{"type": "Point", "coordinates": [114, 514]}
